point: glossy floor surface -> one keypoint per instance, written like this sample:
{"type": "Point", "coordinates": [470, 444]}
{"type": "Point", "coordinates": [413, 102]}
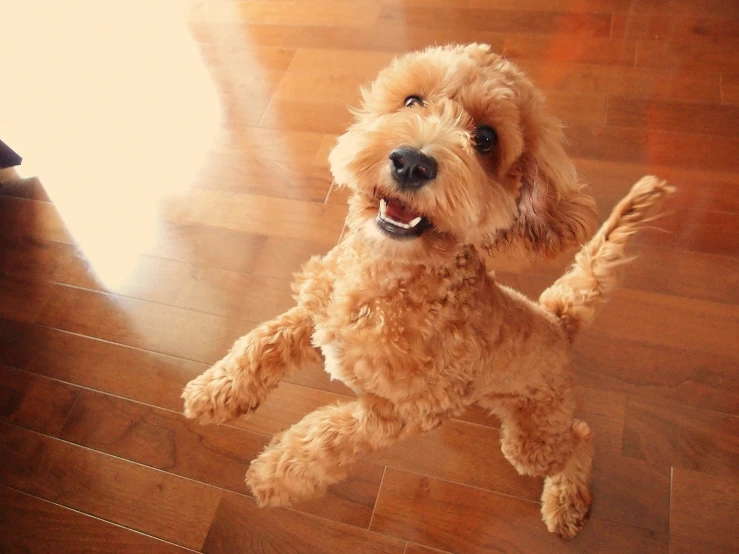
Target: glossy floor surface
{"type": "Point", "coordinates": [181, 149]}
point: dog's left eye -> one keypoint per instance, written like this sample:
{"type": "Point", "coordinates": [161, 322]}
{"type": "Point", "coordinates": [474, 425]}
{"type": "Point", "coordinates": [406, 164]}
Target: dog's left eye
{"type": "Point", "coordinates": [413, 101]}
{"type": "Point", "coordinates": [484, 139]}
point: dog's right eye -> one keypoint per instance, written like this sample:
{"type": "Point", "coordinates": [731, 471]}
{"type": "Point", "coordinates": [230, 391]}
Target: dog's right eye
{"type": "Point", "coordinates": [413, 101]}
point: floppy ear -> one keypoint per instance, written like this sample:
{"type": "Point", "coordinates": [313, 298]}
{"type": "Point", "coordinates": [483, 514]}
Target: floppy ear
{"type": "Point", "coordinates": [554, 213]}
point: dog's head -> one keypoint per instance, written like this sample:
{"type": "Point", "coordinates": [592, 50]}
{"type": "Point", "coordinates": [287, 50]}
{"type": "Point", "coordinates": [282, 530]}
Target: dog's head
{"type": "Point", "coordinates": [453, 145]}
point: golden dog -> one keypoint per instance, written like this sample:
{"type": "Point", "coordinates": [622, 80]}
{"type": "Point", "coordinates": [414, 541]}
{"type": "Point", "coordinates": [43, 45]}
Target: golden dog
{"type": "Point", "coordinates": [452, 153]}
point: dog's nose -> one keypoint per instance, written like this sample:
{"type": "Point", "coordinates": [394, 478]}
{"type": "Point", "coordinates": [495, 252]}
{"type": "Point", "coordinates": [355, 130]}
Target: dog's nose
{"type": "Point", "coordinates": [411, 168]}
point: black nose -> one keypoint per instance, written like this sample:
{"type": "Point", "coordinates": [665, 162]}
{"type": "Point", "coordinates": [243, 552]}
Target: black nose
{"type": "Point", "coordinates": [411, 168]}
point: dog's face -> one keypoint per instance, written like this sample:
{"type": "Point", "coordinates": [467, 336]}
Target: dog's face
{"type": "Point", "coordinates": [453, 146]}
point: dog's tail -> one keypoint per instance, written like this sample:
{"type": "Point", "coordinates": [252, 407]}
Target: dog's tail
{"type": "Point", "coordinates": [594, 273]}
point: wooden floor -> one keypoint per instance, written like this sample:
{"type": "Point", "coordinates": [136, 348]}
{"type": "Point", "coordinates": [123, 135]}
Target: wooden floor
{"type": "Point", "coordinates": [182, 154]}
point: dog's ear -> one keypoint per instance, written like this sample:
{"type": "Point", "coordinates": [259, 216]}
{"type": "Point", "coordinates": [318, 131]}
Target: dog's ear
{"type": "Point", "coordinates": [554, 212]}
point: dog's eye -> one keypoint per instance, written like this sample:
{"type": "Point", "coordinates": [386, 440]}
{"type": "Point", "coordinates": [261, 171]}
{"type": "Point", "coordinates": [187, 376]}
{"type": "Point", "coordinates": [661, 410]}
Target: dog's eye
{"type": "Point", "coordinates": [413, 101]}
{"type": "Point", "coordinates": [485, 138]}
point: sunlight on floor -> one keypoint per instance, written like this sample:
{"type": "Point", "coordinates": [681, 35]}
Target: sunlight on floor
{"type": "Point", "coordinates": [111, 105]}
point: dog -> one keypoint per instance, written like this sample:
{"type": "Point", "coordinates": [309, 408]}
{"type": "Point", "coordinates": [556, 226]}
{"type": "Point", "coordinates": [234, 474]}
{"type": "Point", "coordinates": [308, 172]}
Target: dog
{"type": "Point", "coordinates": [452, 160]}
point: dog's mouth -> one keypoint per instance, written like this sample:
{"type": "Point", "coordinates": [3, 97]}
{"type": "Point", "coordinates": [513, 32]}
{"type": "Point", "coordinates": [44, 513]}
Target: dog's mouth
{"type": "Point", "coordinates": [398, 220]}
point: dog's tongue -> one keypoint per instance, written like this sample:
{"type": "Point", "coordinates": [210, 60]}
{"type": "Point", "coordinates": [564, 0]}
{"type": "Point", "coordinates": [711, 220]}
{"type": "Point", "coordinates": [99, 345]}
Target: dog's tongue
{"type": "Point", "coordinates": [400, 212]}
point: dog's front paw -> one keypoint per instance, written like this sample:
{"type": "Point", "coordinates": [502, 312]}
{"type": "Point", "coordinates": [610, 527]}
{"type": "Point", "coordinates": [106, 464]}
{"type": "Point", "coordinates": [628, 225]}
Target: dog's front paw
{"type": "Point", "coordinates": [278, 479]}
{"type": "Point", "coordinates": [217, 396]}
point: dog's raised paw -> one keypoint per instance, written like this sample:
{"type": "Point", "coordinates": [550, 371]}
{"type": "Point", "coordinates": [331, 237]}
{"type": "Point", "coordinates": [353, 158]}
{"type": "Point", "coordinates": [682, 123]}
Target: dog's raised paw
{"type": "Point", "coordinates": [213, 397]}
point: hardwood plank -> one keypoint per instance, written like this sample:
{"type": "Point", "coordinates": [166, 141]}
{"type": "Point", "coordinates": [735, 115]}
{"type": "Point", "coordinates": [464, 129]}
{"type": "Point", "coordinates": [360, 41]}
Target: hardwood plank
{"type": "Point", "coordinates": [322, 117]}
{"type": "Point", "coordinates": [35, 402]}
{"type": "Point", "coordinates": [214, 291]}
{"type": "Point", "coordinates": [293, 180]}
{"type": "Point", "coordinates": [461, 519]}
{"type": "Point", "coordinates": [696, 379]}
{"type": "Point", "coordinates": [266, 162]}
{"type": "Point", "coordinates": [573, 108]}
{"type": "Point", "coordinates": [403, 38]}
{"type": "Point", "coordinates": [286, 405]}
{"type": "Point", "coordinates": [29, 524]}
{"type": "Point", "coordinates": [616, 6]}
{"type": "Point", "coordinates": [163, 440]}
{"type": "Point", "coordinates": [28, 258]}
{"type": "Point", "coordinates": [206, 245]}
{"type": "Point", "coordinates": [454, 452]}
{"type": "Point", "coordinates": [23, 218]}
{"type": "Point", "coordinates": [566, 48]}
{"type": "Point", "coordinates": [399, 38]}
{"type": "Point", "coordinates": [258, 214]}
{"type": "Point", "coordinates": [696, 118]}
{"type": "Point", "coordinates": [668, 271]}
{"type": "Point", "coordinates": [656, 147]}
{"type": "Point", "coordinates": [14, 349]}
{"type": "Point", "coordinates": [626, 490]}
{"type": "Point", "coordinates": [175, 509]}
{"type": "Point", "coordinates": [673, 435]}
{"type": "Point", "coordinates": [281, 257]}
{"type": "Point", "coordinates": [704, 326]}
{"type": "Point", "coordinates": [686, 54]}
{"type": "Point", "coordinates": [12, 184]}
{"type": "Point", "coordinates": [418, 549]}
{"type": "Point", "coordinates": [214, 455]}
{"type": "Point", "coordinates": [23, 300]}
{"type": "Point", "coordinates": [680, 544]}
{"type": "Point", "coordinates": [264, 12]}
{"type": "Point", "coordinates": [597, 79]}
{"type": "Point", "coordinates": [681, 27]}
{"type": "Point", "coordinates": [165, 329]}
{"type": "Point", "coordinates": [128, 372]}
{"type": "Point", "coordinates": [571, 23]}
{"type": "Point", "coordinates": [217, 247]}
{"type": "Point", "coordinates": [704, 511]}
{"type": "Point", "coordinates": [230, 33]}
{"type": "Point", "coordinates": [587, 6]}
{"type": "Point", "coordinates": [240, 526]}
{"type": "Point", "coordinates": [730, 88]}
{"type": "Point", "coordinates": [333, 76]}
{"type": "Point", "coordinates": [704, 190]}
{"type": "Point", "coordinates": [631, 492]}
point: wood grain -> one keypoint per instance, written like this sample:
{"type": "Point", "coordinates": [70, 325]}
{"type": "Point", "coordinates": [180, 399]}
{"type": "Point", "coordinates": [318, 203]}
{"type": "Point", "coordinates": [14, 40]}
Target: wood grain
{"type": "Point", "coordinates": [23, 300]}
{"type": "Point", "coordinates": [165, 329]}
{"type": "Point", "coordinates": [35, 402]}
{"type": "Point", "coordinates": [240, 526]}
{"type": "Point", "coordinates": [678, 27]}
{"type": "Point", "coordinates": [730, 88]}
{"type": "Point", "coordinates": [700, 502]}
{"type": "Point", "coordinates": [166, 222]}
{"type": "Point", "coordinates": [425, 511]}
{"type": "Point", "coordinates": [571, 23]}
{"type": "Point", "coordinates": [685, 54]}
{"type": "Point", "coordinates": [696, 379]}
{"type": "Point", "coordinates": [29, 524]}
{"type": "Point", "coordinates": [673, 435]}
{"type": "Point", "coordinates": [453, 453]}
{"type": "Point", "coordinates": [665, 115]}
{"type": "Point", "coordinates": [156, 503]}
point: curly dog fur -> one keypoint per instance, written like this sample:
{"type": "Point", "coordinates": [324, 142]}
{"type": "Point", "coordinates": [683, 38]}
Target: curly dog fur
{"type": "Point", "coordinates": [404, 309]}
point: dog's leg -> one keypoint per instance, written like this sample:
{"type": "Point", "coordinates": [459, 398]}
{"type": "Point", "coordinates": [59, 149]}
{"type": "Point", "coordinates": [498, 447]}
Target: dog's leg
{"type": "Point", "coordinates": [257, 362]}
{"type": "Point", "coordinates": [540, 437]}
{"type": "Point", "coordinates": [318, 450]}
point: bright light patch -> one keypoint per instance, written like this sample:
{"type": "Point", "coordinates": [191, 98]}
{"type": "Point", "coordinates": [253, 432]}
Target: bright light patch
{"type": "Point", "coordinates": [111, 106]}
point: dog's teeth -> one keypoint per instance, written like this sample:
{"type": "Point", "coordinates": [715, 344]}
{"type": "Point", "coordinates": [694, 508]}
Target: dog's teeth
{"type": "Point", "coordinates": [415, 222]}
{"type": "Point", "coordinates": [383, 207]}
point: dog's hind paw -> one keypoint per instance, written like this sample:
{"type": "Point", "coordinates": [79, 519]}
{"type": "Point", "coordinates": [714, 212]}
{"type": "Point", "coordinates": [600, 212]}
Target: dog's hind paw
{"type": "Point", "coordinates": [565, 507]}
